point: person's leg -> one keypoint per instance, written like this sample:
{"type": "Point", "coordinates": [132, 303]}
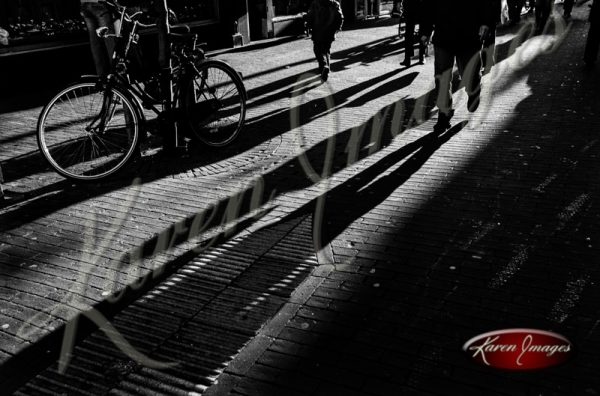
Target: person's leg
{"type": "Point", "coordinates": [327, 52]}
{"type": "Point", "coordinates": [400, 28]}
{"type": "Point", "coordinates": [97, 46]}
{"type": "Point", "coordinates": [488, 54]}
{"type": "Point", "coordinates": [443, 67]}
{"type": "Point", "coordinates": [539, 11]}
{"type": "Point", "coordinates": [422, 52]}
{"type": "Point", "coordinates": [325, 55]}
{"type": "Point", "coordinates": [319, 55]}
{"type": "Point", "coordinates": [469, 69]}
{"type": "Point", "coordinates": [567, 8]}
{"type": "Point", "coordinates": [531, 5]}
{"type": "Point", "coordinates": [544, 9]}
{"type": "Point", "coordinates": [409, 41]}
{"type": "Point", "coordinates": [105, 19]}
{"type": "Point", "coordinates": [160, 9]}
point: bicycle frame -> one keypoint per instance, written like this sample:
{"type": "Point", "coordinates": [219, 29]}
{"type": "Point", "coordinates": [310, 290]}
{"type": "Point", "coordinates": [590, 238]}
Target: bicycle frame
{"type": "Point", "coordinates": [173, 80]}
{"type": "Point", "coordinates": [119, 72]}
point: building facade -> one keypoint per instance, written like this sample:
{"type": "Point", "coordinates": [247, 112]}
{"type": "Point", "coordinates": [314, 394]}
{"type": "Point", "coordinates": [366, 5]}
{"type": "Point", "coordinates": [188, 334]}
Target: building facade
{"type": "Point", "coordinates": [39, 24]}
{"type": "Point", "coordinates": [42, 24]}
{"type": "Point", "coordinates": [44, 42]}
{"type": "Point", "coordinates": [272, 18]}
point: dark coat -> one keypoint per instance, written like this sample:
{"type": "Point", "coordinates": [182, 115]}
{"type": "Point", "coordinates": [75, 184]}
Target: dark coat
{"type": "Point", "coordinates": [324, 18]}
{"type": "Point", "coordinates": [414, 9]}
{"type": "Point", "coordinates": [456, 23]}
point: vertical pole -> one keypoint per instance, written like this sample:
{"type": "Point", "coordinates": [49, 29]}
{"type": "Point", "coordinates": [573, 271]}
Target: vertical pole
{"type": "Point", "coordinates": [1, 181]}
{"type": "Point", "coordinates": [166, 65]}
{"type": "Point", "coordinates": [270, 15]}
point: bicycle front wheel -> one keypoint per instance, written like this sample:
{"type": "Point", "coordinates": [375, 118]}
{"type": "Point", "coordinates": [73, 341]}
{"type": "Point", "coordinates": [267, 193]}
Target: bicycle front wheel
{"type": "Point", "coordinates": [215, 103]}
{"type": "Point", "coordinates": [88, 132]}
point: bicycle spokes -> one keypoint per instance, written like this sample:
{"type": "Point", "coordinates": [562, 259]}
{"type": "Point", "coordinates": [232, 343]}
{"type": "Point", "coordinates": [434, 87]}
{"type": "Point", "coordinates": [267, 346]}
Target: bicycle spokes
{"type": "Point", "coordinates": [87, 133]}
{"type": "Point", "coordinates": [216, 103]}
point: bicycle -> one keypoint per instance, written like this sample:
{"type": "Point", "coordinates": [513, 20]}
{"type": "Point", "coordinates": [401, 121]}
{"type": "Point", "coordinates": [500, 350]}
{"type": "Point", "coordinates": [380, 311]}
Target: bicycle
{"type": "Point", "coordinates": [91, 129]}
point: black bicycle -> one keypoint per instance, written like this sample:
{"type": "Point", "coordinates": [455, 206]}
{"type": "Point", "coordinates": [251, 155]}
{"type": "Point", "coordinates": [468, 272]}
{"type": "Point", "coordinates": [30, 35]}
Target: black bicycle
{"type": "Point", "coordinates": [91, 129]}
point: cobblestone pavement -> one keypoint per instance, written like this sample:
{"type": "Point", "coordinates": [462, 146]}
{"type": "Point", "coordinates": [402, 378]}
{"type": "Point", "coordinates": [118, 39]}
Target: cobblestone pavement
{"type": "Point", "coordinates": [339, 247]}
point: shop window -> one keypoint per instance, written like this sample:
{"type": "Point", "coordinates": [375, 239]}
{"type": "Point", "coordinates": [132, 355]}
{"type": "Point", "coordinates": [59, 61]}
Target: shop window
{"type": "Point", "coordinates": [195, 10]}
{"type": "Point", "coordinates": [386, 6]}
{"type": "Point", "coordinates": [290, 7]}
{"type": "Point", "coordinates": [51, 21]}
{"type": "Point", "coordinates": [30, 21]}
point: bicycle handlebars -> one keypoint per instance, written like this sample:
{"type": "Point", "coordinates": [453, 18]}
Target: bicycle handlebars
{"type": "Point", "coordinates": [127, 17]}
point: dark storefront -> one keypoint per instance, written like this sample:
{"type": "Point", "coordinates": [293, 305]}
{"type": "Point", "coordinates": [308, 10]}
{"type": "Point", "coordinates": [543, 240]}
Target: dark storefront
{"type": "Point", "coordinates": [269, 18]}
{"type": "Point", "coordinates": [38, 24]}
{"type": "Point", "coordinates": [371, 8]}
{"type": "Point", "coordinates": [47, 40]}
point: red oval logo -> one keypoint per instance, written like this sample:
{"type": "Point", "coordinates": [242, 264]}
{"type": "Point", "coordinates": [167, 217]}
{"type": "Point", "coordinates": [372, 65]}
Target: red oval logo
{"type": "Point", "coordinates": [519, 349]}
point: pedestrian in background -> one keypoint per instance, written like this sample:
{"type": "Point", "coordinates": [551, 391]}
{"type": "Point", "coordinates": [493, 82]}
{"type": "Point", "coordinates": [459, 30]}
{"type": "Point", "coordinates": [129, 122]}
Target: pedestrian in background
{"type": "Point", "coordinates": [460, 27]}
{"type": "Point", "coordinates": [324, 18]}
{"type": "Point", "coordinates": [593, 37]}
{"type": "Point", "coordinates": [488, 54]}
{"type": "Point", "coordinates": [97, 15]}
{"type": "Point", "coordinates": [413, 15]}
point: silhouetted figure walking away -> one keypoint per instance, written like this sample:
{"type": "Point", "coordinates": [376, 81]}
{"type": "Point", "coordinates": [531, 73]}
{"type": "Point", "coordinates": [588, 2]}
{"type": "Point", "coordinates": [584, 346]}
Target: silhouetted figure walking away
{"type": "Point", "coordinates": [413, 15]}
{"type": "Point", "coordinates": [593, 37]}
{"type": "Point", "coordinates": [325, 18]}
{"type": "Point", "coordinates": [460, 27]}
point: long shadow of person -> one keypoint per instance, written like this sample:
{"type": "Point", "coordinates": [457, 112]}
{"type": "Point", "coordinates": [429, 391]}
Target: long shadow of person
{"type": "Point", "coordinates": [154, 167]}
{"type": "Point", "coordinates": [358, 195]}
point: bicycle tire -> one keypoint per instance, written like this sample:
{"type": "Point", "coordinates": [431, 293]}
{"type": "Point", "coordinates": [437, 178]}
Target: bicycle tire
{"type": "Point", "coordinates": [88, 132]}
{"type": "Point", "coordinates": [215, 103]}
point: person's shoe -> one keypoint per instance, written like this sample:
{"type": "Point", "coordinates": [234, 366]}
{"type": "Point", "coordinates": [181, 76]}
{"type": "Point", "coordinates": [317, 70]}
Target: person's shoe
{"type": "Point", "coordinates": [473, 101]}
{"type": "Point", "coordinates": [421, 60]}
{"type": "Point", "coordinates": [325, 73]}
{"type": "Point", "coordinates": [405, 62]}
{"type": "Point", "coordinates": [443, 122]}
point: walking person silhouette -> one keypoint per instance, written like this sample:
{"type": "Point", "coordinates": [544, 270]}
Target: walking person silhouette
{"type": "Point", "coordinates": [413, 14]}
{"type": "Point", "coordinates": [324, 18]}
{"type": "Point", "coordinates": [460, 29]}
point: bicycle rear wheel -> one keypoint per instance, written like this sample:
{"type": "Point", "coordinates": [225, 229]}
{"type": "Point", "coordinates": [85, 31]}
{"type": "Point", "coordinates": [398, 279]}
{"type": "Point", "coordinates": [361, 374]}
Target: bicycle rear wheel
{"type": "Point", "coordinates": [215, 103]}
{"type": "Point", "coordinates": [88, 132]}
